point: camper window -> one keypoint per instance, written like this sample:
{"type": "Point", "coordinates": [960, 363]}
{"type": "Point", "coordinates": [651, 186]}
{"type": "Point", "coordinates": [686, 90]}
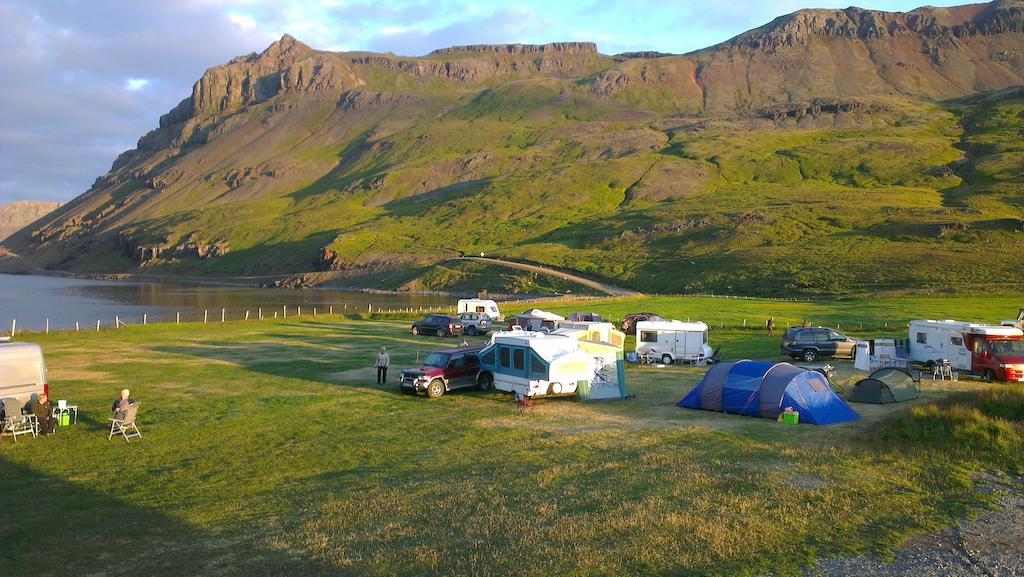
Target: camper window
{"type": "Point", "coordinates": [648, 337]}
{"type": "Point", "coordinates": [956, 341]}
{"type": "Point", "coordinates": [506, 357]}
{"type": "Point", "coordinates": [537, 368]}
{"type": "Point", "coordinates": [922, 338]}
{"type": "Point", "coordinates": [979, 346]}
{"type": "Point", "coordinates": [481, 309]}
{"type": "Point", "coordinates": [518, 359]}
{"type": "Point", "coordinates": [487, 358]}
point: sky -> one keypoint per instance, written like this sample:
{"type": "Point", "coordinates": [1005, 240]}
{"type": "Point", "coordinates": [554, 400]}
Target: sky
{"type": "Point", "coordinates": [85, 79]}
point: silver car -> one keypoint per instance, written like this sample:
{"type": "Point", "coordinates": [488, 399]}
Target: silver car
{"type": "Point", "coordinates": [475, 323]}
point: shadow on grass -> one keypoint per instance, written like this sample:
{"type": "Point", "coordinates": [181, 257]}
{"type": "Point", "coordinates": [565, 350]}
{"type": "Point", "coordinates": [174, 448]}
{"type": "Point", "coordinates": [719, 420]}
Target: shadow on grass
{"type": "Point", "coordinates": [50, 526]}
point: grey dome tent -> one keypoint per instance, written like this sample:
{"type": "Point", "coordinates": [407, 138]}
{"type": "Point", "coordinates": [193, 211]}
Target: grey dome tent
{"type": "Point", "coordinates": [888, 385]}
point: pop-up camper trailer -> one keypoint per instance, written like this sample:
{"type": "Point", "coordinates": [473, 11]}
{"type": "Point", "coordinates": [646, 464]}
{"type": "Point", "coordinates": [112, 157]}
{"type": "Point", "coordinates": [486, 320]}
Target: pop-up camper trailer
{"type": "Point", "coordinates": [536, 320]}
{"type": "Point", "coordinates": [534, 364]}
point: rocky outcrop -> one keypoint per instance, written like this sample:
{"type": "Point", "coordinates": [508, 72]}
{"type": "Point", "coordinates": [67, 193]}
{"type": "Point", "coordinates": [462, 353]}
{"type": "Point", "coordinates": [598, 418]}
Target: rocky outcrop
{"type": "Point", "coordinates": [17, 215]}
{"type": "Point", "coordinates": [562, 48]}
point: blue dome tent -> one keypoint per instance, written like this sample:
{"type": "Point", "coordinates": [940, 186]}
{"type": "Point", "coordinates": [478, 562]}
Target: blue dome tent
{"type": "Point", "coordinates": [759, 389]}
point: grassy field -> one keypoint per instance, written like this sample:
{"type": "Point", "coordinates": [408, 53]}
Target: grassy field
{"type": "Point", "coordinates": [268, 449]}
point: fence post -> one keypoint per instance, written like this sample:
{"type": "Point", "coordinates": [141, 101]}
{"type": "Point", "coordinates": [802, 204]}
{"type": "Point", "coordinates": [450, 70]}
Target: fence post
{"type": "Point", "coordinates": [117, 322]}
{"type": "Point", "coordinates": [47, 326]}
{"type": "Point", "coordinates": [284, 311]}
{"type": "Point", "coordinates": [314, 312]}
{"type": "Point", "coordinates": [76, 326]}
{"type": "Point", "coordinates": [259, 311]}
{"type": "Point", "coordinates": [247, 314]}
{"type": "Point", "coordinates": [206, 315]}
{"type": "Point", "coordinates": [332, 309]}
{"type": "Point", "coordinates": [369, 308]}
{"type": "Point", "coordinates": [223, 314]}
{"type": "Point", "coordinates": [744, 322]}
{"type": "Point", "coordinates": [97, 325]}
{"type": "Point", "coordinates": [145, 318]}
{"type": "Point", "coordinates": [14, 325]}
{"type": "Point", "coordinates": [177, 318]}
{"type": "Point", "coordinates": [298, 311]}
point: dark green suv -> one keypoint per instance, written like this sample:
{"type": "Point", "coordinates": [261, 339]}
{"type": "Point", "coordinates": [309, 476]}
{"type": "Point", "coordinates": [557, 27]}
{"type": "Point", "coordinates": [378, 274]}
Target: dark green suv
{"type": "Point", "coordinates": [811, 343]}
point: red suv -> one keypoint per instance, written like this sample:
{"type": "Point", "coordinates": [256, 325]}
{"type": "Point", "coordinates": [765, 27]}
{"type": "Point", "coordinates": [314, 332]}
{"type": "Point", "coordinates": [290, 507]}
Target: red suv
{"type": "Point", "coordinates": [443, 371]}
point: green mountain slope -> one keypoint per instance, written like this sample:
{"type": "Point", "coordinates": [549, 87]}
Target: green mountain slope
{"type": "Point", "coordinates": [827, 152]}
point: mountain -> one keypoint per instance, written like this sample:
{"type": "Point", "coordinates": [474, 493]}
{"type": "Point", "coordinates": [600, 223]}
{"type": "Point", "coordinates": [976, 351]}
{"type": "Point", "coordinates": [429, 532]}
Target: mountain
{"type": "Point", "coordinates": [828, 151]}
{"type": "Point", "coordinates": [16, 215]}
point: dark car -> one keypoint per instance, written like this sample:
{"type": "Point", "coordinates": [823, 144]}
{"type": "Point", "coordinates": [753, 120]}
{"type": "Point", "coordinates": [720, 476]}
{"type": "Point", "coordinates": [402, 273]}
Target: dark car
{"type": "Point", "coordinates": [629, 323]}
{"type": "Point", "coordinates": [812, 343]}
{"type": "Point", "coordinates": [443, 371]}
{"type": "Point", "coordinates": [585, 317]}
{"type": "Point", "coordinates": [440, 325]}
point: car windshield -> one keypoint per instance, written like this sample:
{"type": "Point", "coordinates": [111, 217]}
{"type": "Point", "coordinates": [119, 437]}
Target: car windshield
{"type": "Point", "coordinates": [1007, 347]}
{"type": "Point", "coordinates": [436, 360]}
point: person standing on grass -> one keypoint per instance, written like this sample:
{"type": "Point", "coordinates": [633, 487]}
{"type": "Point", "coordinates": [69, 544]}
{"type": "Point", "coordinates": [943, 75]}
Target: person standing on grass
{"type": "Point", "coordinates": [120, 406]}
{"type": "Point", "coordinates": [771, 326]}
{"type": "Point", "coordinates": [44, 414]}
{"type": "Point", "coordinates": [383, 360]}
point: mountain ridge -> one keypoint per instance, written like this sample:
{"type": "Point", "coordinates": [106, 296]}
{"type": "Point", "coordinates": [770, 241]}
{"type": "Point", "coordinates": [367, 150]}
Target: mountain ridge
{"type": "Point", "coordinates": [292, 159]}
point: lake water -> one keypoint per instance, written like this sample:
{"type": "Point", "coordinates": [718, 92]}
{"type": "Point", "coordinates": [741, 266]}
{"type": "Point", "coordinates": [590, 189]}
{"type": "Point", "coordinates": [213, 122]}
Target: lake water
{"type": "Point", "coordinates": [64, 301]}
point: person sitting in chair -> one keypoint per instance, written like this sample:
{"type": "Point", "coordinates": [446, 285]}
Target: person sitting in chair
{"type": "Point", "coordinates": [44, 413]}
{"type": "Point", "coordinates": [120, 406]}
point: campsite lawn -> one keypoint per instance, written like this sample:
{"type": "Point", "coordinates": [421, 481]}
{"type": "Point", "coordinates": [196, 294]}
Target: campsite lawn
{"type": "Point", "coordinates": [268, 449]}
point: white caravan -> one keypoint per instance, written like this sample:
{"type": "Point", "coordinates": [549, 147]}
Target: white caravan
{"type": "Point", "coordinates": [22, 372]}
{"type": "Point", "coordinates": [672, 341]}
{"type": "Point", "coordinates": [482, 306]}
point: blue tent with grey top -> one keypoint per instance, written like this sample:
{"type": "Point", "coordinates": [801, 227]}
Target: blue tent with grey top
{"type": "Point", "coordinates": [760, 389]}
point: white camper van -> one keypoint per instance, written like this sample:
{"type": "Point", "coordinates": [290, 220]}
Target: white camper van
{"type": "Point", "coordinates": [672, 341]}
{"type": "Point", "coordinates": [22, 372]}
{"type": "Point", "coordinates": [484, 307]}
{"type": "Point", "coordinates": [991, 351]}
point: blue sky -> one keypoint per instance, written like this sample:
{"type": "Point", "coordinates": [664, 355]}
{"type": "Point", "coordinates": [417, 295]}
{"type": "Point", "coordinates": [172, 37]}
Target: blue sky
{"type": "Point", "coordinates": [86, 78]}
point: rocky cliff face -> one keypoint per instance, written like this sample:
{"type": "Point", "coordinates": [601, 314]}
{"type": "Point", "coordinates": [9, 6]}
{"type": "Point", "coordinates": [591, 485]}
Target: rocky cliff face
{"type": "Point", "coordinates": [282, 152]}
{"type": "Point", "coordinates": [17, 215]}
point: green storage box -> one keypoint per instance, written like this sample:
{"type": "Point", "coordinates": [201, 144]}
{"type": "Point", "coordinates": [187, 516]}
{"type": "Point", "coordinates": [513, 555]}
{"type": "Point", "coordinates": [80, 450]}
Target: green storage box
{"type": "Point", "coordinates": [65, 419]}
{"type": "Point", "coordinates": [791, 418]}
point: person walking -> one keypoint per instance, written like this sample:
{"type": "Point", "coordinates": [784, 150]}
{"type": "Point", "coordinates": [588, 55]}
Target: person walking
{"type": "Point", "coordinates": [770, 324]}
{"type": "Point", "coordinates": [383, 360]}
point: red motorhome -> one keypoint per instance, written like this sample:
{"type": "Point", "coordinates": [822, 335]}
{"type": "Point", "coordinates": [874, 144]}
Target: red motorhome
{"type": "Point", "coordinates": [990, 351]}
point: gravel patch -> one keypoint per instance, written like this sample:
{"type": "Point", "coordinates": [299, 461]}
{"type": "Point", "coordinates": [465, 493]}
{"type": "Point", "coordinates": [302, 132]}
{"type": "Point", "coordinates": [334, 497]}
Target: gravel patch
{"type": "Point", "coordinates": [990, 546]}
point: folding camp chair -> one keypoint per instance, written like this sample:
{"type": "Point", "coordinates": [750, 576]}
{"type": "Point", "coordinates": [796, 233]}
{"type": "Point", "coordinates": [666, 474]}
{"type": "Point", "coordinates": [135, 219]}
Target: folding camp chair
{"type": "Point", "coordinates": [125, 426]}
{"type": "Point", "coordinates": [16, 423]}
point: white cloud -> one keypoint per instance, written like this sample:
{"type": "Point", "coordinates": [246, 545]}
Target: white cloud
{"type": "Point", "coordinates": [135, 83]}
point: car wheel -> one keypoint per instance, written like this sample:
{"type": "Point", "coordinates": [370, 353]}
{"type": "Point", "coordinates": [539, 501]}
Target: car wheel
{"type": "Point", "coordinates": [990, 376]}
{"type": "Point", "coordinates": [435, 389]}
{"type": "Point", "coordinates": [471, 330]}
{"type": "Point", "coordinates": [810, 355]}
{"type": "Point", "coordinates": [485, 382]}
{"type": "Point", "coordinates": [415, 331]}
{"type": "Point", "coordinates": [666, 359]}
{"type": "Point", "coordinates": [440, 332]}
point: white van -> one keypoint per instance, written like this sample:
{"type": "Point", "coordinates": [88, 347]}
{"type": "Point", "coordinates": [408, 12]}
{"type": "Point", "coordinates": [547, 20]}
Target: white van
{"type": "Point", "coordinates": [484, 307]}
{"type": "Point", "coordinates": [22, 372]}
{"type": "Point", "coordinates": [672, 341]}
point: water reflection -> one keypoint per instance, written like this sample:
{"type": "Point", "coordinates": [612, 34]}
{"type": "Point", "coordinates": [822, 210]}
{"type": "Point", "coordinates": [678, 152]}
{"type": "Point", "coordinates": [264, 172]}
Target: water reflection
{"type": "Point", "coordinates": [33, 299]}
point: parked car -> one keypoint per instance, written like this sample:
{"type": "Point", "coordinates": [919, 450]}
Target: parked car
{"type": "Point", "coordinates": [22, 372]}
{"type": "Point", "coordinates": [475, 323]}
{"type": "Point", "coordinates": [629, 323]}
{"type": "Point", "coordinates": [440, 325]}
{"type": "Point", "coordinates": [443, 371]}
{"type": "Point", "coordinates": [812, 343]}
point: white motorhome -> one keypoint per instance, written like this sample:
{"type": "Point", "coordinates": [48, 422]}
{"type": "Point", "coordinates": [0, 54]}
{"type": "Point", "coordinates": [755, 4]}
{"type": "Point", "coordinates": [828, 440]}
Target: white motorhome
{"type": "Point", "coordinates": [22, 372]}
{"type": "Point", "coordinates": [482, 306]}
{"type": "Point", "coordinates": [673, 341]}
{"type": "Point", "coordinates": [992, 351]}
